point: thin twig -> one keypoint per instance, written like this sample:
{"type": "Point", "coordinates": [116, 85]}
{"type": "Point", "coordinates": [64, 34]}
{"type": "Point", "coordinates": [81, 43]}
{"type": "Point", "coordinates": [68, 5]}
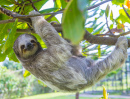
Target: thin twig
{"type": "Point", "coordinates": [53, 15]}
{"type": "Point", "coordinates": [126, 11]}
{"type": "Point", "coordinates": [87, 46]}
{"type": "Point", "coordinates": [122, 34]}
{"type": "Point", "coordinates": [33, 5]}
{"type": "Point", "coordinates": [89, 8]}
{"type": "Point", "coordinates": [125, 33]}
{"type": "Point", "coordinates": [108, 26]}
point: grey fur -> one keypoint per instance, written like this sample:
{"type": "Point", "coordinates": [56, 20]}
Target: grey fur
{"type": "Point", "coordinates": [57, 67]}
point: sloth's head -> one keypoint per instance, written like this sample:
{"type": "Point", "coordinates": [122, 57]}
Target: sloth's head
{"type": "Point", "coordinates": [26, 46]}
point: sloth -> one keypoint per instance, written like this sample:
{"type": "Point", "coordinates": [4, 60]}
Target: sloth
{"type": "Point", "coordinates": [57, 66]}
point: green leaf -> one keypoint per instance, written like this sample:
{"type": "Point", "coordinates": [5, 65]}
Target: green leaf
{"type": "Point", "coordinates": [2, 57]}
{"type": "Point", "coordinates": [107, 10]}
{"type": "Point", "coordinates": [6, 2]}
{"type": "Point", "coordinates": [48, 10]}
{"type": "Point", "coordinates": [102, 12]}
{"type": "Point", "coordinates": [118, 2]}
{"type": "Point", "coordinates": [63, 4]}
{"type": "Point", "coordinates": [4, 27]}
{"type": "Point", "coordinates": [10, 37]}
{"type": "Point", "coordinates": [57, 4]}
{"type": "Point", "coordinates": [95, 12]}
{"type": "Point", "coordinates": [111, 16]}
{"type": "Point", "coordinates": [52, 19]}
{"type": "Point", "coordinates": [99, 51]}
{"type": "Point", "coordinates": [3, 31]}
{"type": "Point", "coordinates": [41, 83]}
{"type": "Point", "coordinates": [111, 26]}
{"type": "Point", "coordinates": [98, 30]}
{"type": "Point", "coordinates": [123, 19]}
{"type": "Point", "coordinates": [121, 11]}
{"type": "Point", "coordinates": [26, 74]}
{"type": "Point", "coordinates": [89, 29]}
{"type": "Point", "coordinates": [82, 5]}
{"type": "Point", "coordinates": [12, 56]}
{"type": "Point", "coordinates": [73, 23]}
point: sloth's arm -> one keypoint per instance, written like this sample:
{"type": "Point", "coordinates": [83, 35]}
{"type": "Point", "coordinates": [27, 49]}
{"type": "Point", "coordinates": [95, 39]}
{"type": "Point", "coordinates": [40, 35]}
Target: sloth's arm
{"type": "Point", "coordinates": [114, 61]}
{"type": "Point", "coordinates": [46, 31]}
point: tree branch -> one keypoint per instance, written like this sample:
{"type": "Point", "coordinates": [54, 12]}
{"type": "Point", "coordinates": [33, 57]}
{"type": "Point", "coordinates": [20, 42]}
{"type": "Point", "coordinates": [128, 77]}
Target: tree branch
{"type": "Point", "coordinates": [27, 17]}
{"type": "Point", "coordinates": [97, 4]}
{"type": "Point", "coordinates": [24, 31]}
{"type": "Point", "coordinates": [89, 37]}
{"type": "Point", "coordinates": [101, 40]}
{"type": "Point", "coordinates": [53, 15]}
{"type": "Point", "coordinates": [24, 17]}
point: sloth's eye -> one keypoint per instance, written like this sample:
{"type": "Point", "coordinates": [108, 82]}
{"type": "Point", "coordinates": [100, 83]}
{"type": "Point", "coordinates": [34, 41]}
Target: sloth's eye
{"type": "Point", "coordinates": [32, 41]}
{"type": "Point", "coordinates": [23, 46]}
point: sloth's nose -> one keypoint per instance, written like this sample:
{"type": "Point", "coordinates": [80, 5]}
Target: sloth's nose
{"type": "Point", "coordinates": [29, 46]}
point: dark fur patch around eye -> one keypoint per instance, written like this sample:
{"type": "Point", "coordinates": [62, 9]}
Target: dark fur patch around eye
{"type": "Point", "coordinates": [22, 46]}
{"type": "Point", "coordinates": [32, 41]}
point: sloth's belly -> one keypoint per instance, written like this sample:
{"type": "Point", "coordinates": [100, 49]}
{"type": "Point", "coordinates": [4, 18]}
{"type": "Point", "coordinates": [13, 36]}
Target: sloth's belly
{"type": "Point", "coordinates": [66, 79]}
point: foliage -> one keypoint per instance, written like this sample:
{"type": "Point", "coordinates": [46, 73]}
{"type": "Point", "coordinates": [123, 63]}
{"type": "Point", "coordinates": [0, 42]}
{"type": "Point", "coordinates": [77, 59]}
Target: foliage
{"type": "Point", "coordinates": [38, 87]}
{"type": "Point", "coordinates": [69, 23]}
{"type": "Point", "coordinates": [12, 86]}
{"type": "Point", "coordinates": [114, 72]}
{"type": "Point", "coordinates": [12, 65]}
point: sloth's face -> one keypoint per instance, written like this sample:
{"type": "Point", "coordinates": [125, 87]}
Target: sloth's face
{"type": "Point", "coordinates": [27, 46]}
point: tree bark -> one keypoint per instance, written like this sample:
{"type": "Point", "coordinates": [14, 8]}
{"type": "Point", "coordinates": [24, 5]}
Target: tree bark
{"type": "Point", "coordinates": [77, 95]}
